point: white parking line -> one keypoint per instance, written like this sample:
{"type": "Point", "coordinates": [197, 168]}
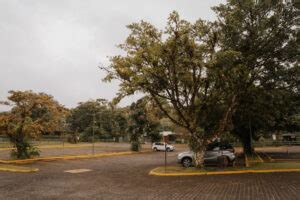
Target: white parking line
{"type": "Point", "coordinates": [76, 171]}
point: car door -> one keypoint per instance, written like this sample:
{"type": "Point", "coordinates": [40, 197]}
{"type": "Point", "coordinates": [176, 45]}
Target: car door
{"type": "Point", "coordinates": [211, 156]}
{"type": "Point", "coordinates": [161, 146]}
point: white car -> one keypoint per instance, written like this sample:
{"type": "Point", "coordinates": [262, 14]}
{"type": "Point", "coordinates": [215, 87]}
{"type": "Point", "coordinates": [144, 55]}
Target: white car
{"type": "Point", "coordinates": [161, 146]}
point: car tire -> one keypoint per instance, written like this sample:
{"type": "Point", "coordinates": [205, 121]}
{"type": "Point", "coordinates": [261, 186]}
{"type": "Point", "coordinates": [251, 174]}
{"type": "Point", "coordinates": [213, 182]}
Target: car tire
{"type": "Point", "coordinates": [155, 149]}
{"type": "Point", "coordinates": [186, 162]}
{"type": "Point", "coordinates": [168, 149]}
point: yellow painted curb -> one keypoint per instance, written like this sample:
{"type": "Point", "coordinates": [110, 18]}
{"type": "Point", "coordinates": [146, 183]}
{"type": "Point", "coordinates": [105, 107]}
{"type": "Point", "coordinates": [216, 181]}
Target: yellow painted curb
{"type": "Point", "coordinates": [153, 173]}
{"type": "Point", "coordinates": [52, 147]}
{"type": "Point", "coordinates": [16, 169]}
{"type": "Point", "coordinates": [6, 148]}
{"type": "Point", "coordinates": [53, 158]}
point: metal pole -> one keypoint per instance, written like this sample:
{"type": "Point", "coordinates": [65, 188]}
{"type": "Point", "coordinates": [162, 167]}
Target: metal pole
{"type": "Point", "coordinates": [251, 142]}
{"type": "Point", "coordinates": [63, 140]}
{"type": "Point", "coordinates": [93, 134]}
{"type": "Point", "coordinates": [165, 154]}
{"type": "Point", "coordinates": [165, 157]}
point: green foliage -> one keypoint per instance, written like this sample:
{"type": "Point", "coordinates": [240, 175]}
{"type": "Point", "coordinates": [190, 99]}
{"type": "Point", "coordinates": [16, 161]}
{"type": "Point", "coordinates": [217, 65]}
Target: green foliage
{"type": "Point", "coordinates": [108, 121]}
{"type": "Point", "coordinates": [260, 56]}
{"type": "Point", "coordinates": [144, 121]}
{"type": "Point", "coordinates": [137, 123]}
{"type": "Point", "coordinates": [24, 150]}
{"type": "Point", "coordinates": [216, 76]}
{"type": "Point", "coordinates": [173, 67]}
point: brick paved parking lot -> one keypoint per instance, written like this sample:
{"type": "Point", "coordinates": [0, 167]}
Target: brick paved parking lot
{"type": "Point", "coordinates": [126, 177]}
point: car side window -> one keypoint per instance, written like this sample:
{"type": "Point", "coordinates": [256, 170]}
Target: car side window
{"type": "Point", "coordinates": [216, 149]}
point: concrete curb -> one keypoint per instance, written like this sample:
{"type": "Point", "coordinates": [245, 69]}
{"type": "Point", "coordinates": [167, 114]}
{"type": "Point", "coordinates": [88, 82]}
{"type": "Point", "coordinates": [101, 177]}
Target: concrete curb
{"type": "Point", "coordinates": [153, 173]}
{"type": "Point", "coordinates": [75, 157]}
{"type": "Point", "coordinates": [53, 147]}
{"type": "Point", "coordinates": [16, 169]}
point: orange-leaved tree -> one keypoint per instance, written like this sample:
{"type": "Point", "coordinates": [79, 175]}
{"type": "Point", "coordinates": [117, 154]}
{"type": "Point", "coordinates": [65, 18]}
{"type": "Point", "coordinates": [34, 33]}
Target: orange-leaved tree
{"type": "Point", "coordinates": [31, 115]}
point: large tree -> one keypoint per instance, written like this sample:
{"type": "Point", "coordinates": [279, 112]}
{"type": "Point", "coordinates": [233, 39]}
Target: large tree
{"type": "Point", "coordinates": [173, 67]}
{"type": "Point", "coordinates": [260, 36]}
{"type": "Point", "coordinates": [31, 115]}
{"type": "Point", "coordinates": [207, 70]}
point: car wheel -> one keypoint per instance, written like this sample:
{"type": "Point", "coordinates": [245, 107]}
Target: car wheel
{"type": "Point", "coordinates": [168, 149]}
{"type": "Point", "coordinates": [155, 149]}
{"type": "Point", "coordinates": [223, 161]}
{"type": "Point", "coordinates": [187, 162]}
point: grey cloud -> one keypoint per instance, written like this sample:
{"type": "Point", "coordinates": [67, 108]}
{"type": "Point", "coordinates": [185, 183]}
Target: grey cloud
{"type": "Point", "coordinates": [55, 46]}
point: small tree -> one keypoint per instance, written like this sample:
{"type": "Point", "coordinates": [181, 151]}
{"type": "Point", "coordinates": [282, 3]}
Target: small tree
{"type": "Point", "coordinates": [31, 115]}
{"type": "Point", "coordinates": [137, 124]}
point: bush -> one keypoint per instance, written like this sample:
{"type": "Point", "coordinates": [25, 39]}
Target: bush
{"type": "Point", "coordinates": [25, 150]}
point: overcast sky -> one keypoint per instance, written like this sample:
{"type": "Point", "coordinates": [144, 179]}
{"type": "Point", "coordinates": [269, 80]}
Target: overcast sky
{"type": "Point", "coordinates": [55, 46]}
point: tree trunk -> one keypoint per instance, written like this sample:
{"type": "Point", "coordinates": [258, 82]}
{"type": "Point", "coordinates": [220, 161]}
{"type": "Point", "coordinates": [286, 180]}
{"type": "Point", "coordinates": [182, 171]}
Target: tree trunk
{"type": "Point", "coordinates": [247, 144]}
{"type": "Point", "coordinates": [197, 146]}
{"type": "Point", "coordinates": [21, 149]}
{"type": "Point", "coordinates": [199, 159]}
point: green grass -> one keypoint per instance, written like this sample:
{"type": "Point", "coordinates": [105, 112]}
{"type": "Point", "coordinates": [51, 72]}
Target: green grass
{"type": "Point", "coordinates": [177, 169]}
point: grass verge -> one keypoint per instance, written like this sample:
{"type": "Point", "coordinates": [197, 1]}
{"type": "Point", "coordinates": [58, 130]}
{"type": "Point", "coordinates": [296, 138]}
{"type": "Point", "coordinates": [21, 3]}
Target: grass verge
{"type": "Point", "coordinates": [252, 159]}
{"type": "Point", "coordinates": [255, 168]}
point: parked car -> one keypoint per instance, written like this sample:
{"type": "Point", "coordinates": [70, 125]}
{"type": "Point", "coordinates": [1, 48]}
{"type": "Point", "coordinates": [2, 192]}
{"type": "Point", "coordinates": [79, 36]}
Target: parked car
{"type": "Point", "coordinates": [223, 146]}
{"type": "Point", "coordinates": [161, 146]}
{"type": "Point", "coordinates": [289, 137]}
{"type": "Point", "coordinates": [215, 154]}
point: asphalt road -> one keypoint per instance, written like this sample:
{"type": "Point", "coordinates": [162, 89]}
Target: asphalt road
{"type": "Point", "coordinates": [126, 177]}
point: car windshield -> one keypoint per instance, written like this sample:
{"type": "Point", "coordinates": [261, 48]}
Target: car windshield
{"type": "Point", "coordinates": [222, 145]}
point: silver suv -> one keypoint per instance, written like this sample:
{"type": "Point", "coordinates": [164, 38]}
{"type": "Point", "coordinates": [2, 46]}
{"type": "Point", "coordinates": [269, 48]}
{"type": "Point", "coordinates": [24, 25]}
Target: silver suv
{"type": "Point", "coordinates": [214, 155]}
